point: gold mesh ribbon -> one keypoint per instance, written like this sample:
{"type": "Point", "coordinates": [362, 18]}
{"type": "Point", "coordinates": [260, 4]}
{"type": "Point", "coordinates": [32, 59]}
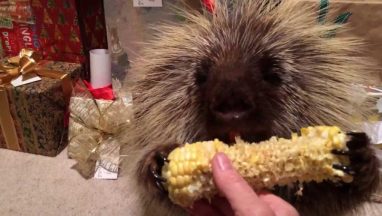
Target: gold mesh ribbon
{"type": "Point", "coordinates": [94, 128]}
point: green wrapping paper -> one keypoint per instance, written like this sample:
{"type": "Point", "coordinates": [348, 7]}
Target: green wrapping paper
{"type": "Point", "coordinates": [36, 113]}
{"type": "Point", "coordinates": [93, 130]}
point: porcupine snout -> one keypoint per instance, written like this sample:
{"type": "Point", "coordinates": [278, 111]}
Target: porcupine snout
{"type": "Point", "coordinates": [231, 104]}
{"type": "Point", "coordinates": [235, 91]}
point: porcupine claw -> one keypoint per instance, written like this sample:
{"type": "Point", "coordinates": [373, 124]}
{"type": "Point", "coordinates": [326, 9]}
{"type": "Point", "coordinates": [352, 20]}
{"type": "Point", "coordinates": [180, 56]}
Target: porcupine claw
{"type": "Point", "coordinates": [356, 141]}
{"type": "Point", "coordinates": [346, 169]}
{"type": "Point", "coordinates": [340, 152]}
{"type": "Point", "coordinates": [156, 169]}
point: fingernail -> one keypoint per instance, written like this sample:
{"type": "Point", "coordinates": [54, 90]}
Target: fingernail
{"type": "Point", "coordinates": [223, 162]}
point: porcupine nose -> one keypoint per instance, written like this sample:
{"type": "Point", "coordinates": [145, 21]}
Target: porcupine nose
{"type": "Point", "coordinates": [233, 106]}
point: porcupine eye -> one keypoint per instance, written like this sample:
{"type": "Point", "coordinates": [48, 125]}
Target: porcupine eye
{"type": "Point", "coordinates": [201, 74]}
{"type": "Point", "coordinates": [268, 68]}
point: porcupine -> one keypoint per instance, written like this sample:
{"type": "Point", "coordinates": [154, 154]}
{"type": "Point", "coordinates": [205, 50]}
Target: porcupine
{"type": "Point", "coordinates": [252, 69]}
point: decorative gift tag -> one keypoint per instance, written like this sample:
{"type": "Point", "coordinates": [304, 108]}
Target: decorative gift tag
{"type": "Point", "coordinates": [106, 170]}
{"type": "Point", "coordinates": [25, 79]}
{"type": "Point", "coordinates": [148, 3]}
{"type": "Point", "coordinates": [108, 163]}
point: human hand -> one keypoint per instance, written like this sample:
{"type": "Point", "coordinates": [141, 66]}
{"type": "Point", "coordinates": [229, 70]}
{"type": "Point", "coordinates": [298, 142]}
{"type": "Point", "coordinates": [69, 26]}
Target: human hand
{"type": "Point", "coordinates": [239, 198]}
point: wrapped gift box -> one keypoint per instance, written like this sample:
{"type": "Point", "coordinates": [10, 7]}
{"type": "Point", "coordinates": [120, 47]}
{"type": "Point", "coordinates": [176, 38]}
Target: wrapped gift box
{"type": "Point", "coordinates": [94, 130]}
{"type": "Point", "coordinates": [33, 116]}
{"type": "Point", "coordinates": [16, 19]}
{"type": "Point", "coordinates": [68, 29]}
{"type": "Point", "coordinates": [62, 30]}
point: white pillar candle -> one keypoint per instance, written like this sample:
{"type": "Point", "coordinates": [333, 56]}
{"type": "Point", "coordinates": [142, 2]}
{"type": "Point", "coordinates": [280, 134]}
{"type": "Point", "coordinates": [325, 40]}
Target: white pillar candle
{"type": "Point", "coordinates": [100, 68]}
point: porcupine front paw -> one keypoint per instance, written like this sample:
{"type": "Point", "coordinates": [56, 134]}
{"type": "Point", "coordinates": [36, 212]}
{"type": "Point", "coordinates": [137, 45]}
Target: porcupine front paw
{"type": "Point", "coordinates": [364, 164]}
{"type": "Point", "coordinates": [151, 166]}
{"type": "Point", "coordinates": [329, 198]}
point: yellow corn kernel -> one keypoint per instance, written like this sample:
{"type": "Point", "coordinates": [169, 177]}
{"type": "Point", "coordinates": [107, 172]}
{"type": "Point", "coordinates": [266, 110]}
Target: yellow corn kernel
{"type": "Point", "coordinates": [277, 161]}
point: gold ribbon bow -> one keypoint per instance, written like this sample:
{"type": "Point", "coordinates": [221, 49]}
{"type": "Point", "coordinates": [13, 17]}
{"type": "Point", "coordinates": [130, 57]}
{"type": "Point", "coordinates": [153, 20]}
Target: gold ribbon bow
{"type": "Point", "coordinates": [26, 64]}
{"type": "Point", "coordinates": [23, 64]}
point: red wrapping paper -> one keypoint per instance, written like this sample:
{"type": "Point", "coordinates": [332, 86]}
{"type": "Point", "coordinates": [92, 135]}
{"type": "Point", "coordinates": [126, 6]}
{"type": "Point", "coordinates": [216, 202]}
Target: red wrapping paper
{"type": "Point", "coordinates": [71, 28]}
{"type": "Point", "coordinates": [27, 36]}
{"type": "Point", "coordinates": [9, 41]}
{"type": "Point", "coordinates": [17, 10]}
{"type": "Point", "coordinates": [64, 30]}
{"type": "Point", "coordinates": [17, 31]}
{"type": "Point", "coordinates": [20, 36]}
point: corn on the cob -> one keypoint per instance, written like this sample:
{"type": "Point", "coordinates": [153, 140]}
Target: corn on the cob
{"type": "Point", "coordinates": [277, 161]}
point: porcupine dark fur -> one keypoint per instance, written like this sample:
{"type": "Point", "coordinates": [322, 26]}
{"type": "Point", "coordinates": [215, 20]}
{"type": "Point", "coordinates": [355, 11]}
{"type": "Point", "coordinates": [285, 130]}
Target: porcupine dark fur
{"type": "Point", "coordinates": [274, 61]}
